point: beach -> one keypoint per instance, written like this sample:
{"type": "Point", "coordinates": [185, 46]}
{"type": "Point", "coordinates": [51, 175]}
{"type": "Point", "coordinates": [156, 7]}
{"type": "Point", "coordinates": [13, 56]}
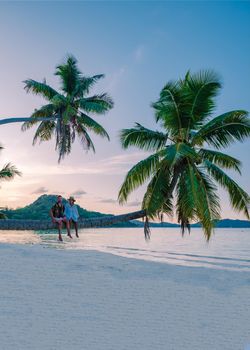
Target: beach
{"type": "Point", "coordinates": [124, 175]}
{"type": "Point", "coordinates": [76, 299]}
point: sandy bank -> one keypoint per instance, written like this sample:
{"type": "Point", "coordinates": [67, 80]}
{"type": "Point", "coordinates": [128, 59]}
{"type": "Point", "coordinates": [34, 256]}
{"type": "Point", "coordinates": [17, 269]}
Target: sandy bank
{"type": "Point", "coordinates": [56, 299]}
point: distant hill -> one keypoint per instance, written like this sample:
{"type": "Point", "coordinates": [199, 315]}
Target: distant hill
{"type": "Point", "coordinates": [227, 223]}
{"type": "Point", "coordinates": [224, 223]}
{"type": "Point", "coordinates": [155, 224]}
{"type": "Point", "coordinates": [39, 209]}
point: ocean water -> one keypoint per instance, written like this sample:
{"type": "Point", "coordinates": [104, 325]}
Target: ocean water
{"type": "Point", "coordinates": [228, 249]}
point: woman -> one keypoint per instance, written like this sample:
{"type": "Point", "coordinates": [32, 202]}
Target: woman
{"type": "Point", "coordinates": [71, 214]}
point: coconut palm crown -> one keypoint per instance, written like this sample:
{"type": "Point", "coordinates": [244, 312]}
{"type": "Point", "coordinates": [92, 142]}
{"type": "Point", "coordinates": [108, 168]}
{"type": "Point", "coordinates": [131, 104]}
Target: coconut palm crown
{"type": "Point", "coordinates": [186, 164]}
{"type": "Point", "coordinates": [68, 110]}
{"type": "Point", "coordinates": [8, 172]}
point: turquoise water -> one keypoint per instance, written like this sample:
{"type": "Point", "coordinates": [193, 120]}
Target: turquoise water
{"type": "Point", "coordinates": [228, 248]}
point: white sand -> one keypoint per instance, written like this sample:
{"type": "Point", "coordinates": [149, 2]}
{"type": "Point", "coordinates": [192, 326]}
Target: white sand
{"type": "Point", "coordinates": [54, 299]}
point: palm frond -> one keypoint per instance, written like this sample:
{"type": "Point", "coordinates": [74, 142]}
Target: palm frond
{"type": "Point", "coordinates": [239, 199]}
{"type": "Point", "coordinates": [69, 112]}
{"type": "Point", "coordinates": [97, 104]}
{"type": "Point", "coordinates": [168, 108]}
{"type": "Point", "coordinates": [8, 172]}
{"type": "Point", "coordinates": [92, 125]}
{"type": "Point", "coordinates": [85, 139]}
{"type": "Point", "coordinates": [167, 158]}
{"type": "Point", "coordinates": [177, 152]}
{"type": "Point", "coordinates": [85, 84]}
{"type": "Point", "coordinates": [208, 206]}
{"type": "Point", "coordinates": [221, 159]}
{"type": "Point", "coordinates": [44, 112]}
{"type": "Point", "coordinates": [204, 198]}
{"type": "Point", "coordinates": [224, 129]}
{"type": "Point", "coordinates": [44, 131]}
{"type": "Point", "coordinates": [146, 229]}
{"type": "Point", "coordinates": [158, 197]}
{"type": "Point", "coordinates": [60, 102]}
{"type": "Point", "coordinates": [63, 139]}
{"type": "Point", "coordinates": [200, 90]}
{"type": "Point", "coordinates": [41, 89]}
{"type": "Point", "coordinates": [143, 138]}
{"type": "Point", "coordinates": [185, 203]}
{"type": "Point", "coordinates": [69, 75]}
{"type": "Point", "coordinates": [138, 175]}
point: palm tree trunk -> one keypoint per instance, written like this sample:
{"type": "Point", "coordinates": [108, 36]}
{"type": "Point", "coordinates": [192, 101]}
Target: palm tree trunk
{"type": "Point", "coordinates": [12, 224]}
{"type": "Point", "coordinates": [23, 119]}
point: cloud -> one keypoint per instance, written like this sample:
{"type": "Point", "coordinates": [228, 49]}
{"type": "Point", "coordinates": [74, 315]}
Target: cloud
{"type": "Point", "coordinates": [57, 193]}
{"type": "Point", "coordinates": [78, 193]}
{"type": "Point", "coordinates": [115, 165]}
{"type": "Point", "coordinates": [135, 203]}
{"type": "Point", "coordinates": [40, 190]}
{"type": "Point", "coordinates": [128, 158]}
{"type": "Point", "coordinates": [108, 200]}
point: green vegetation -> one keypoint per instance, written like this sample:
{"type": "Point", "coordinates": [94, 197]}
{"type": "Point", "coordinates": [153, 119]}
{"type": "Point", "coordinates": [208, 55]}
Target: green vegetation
{"type": "Point", "coordinates": [183, 170]}
{"type": "Point", "coordinates": [39, 210]}
{"type": "Point", "coordinates": [68, 111]}
{"type": "Point", "coordinates": [8, 172]}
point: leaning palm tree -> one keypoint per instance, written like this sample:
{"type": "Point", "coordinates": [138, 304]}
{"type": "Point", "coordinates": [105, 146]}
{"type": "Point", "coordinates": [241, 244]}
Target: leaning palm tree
{"type": "Point", "coordinates": [184, 170]}
{"type": "Point", "coordinates": [8, 172]}
{"type": "Point", "coordinates": [67, 113]}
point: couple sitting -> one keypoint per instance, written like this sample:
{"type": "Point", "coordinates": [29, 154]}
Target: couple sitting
{"type": "Point", "coordinates": [67, 214]}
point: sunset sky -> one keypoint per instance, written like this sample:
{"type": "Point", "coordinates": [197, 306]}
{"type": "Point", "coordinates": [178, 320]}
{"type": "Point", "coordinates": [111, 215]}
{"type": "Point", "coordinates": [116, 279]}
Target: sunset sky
{"type": "Point", "coordinates": [139, 46]}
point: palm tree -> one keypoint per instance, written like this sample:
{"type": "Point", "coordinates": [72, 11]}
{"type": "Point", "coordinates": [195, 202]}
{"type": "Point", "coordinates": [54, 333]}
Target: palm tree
{"type": "Point", "coordinates": [8, 172]}
{"type": "Point", "coordinates": [184, 171]}
{"type": "Point", "coordinates": [66, 113]}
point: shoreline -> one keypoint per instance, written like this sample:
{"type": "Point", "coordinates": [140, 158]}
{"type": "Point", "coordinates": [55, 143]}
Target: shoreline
{"type": "Point", "coordinates": [84, 299]}
{"type": "Point", "coordinates": [192, 250]}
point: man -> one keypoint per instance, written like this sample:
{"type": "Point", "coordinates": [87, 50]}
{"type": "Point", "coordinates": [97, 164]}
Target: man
{"type": "Point", "coordinates": [71, 214]}
{"type": "Point", "coordinates": [58, 217]}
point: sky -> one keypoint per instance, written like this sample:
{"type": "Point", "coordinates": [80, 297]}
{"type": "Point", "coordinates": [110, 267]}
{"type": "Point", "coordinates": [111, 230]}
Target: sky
{"type": "Point", "coordinates": [139, 46]}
